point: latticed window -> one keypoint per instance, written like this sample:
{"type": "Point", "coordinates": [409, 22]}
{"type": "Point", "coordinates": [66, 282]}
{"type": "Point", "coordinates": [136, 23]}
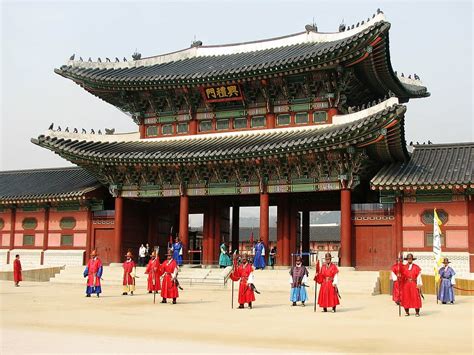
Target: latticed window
{"type": "Point", "coordinates": [151, 131]}
{"type": "Point", "coordinates": [30, 223]}
{"type": "Point", "coordinates": [240, 122]}
{"type": "Point", "coordinates": [429, 239]}
{"type": "Point", "coordinates": [167, 129]}
{"type": "Point", "coordinates": [28, 240]}
{"type": "Point", "coordinates": [320, 116]}
{"type": "Point", "coordinates": [2, 223]}
{"type": "Point", "coordinates": [427, 216]}
{"type": "Point", "coordinates": [205, 126]}
{"type": "Point", "coordinates": [182, 128]}
{"type": "Point", "coordinates": [301, 118]}
{"type": "Point", "coordinates": [257, 121]}
{"type": "Point", "coordinates": [67, 223]}
{"type": "Point", "coordinates": [283, 120]}
{"type": "Point", "coordinates": [222, 124]}
{"type": "Point", "coordinates": [67, 240]}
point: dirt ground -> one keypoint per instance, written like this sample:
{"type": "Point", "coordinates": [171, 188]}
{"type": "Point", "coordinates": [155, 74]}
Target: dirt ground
{"type": "Point", "coordinates": [52, 318]}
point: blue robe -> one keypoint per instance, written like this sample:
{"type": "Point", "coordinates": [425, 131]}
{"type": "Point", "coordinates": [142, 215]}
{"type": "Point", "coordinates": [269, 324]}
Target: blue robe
{"type": "Point", "coordinates": [298, 290]}
{"type": "Point", "coordinates": [224, 259]}
{"type": "Point", "coordinates": [446, 291]}
{"type": "Point", "coordinates": [177, 247]}
{"type": "Point", "coordinates": [259, 259]}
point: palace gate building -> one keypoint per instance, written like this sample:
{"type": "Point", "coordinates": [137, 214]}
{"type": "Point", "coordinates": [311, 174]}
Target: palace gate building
{"type": "Point", "coordinates": [305, 122]}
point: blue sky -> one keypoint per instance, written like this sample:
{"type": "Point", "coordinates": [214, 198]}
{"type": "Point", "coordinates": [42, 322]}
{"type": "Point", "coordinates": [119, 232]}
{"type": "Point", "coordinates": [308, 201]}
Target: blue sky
{"type": "Point", "coordinates": [430, 38]}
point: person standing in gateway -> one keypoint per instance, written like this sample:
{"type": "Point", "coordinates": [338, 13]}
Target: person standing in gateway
{"type": "Point", "coordinates": [224, 259]}
{"type": "Point", "coordinates": [142, 255]}
{"type": "Point", "coordinates": [17, 277]}
{"type": "Point", "coordinates": [178, 251]}
{"type": "Point", "coordinates": [259, 258]}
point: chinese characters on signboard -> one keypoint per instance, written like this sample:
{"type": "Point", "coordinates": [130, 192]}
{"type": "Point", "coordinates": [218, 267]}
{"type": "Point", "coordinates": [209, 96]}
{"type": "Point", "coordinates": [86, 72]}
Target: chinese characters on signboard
{"type": "Point", "coordinates": [222, 93]}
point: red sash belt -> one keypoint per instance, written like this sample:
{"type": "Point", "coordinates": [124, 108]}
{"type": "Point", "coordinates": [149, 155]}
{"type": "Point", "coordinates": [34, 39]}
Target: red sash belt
{"type": "Point", "coordinates": [329, 279]}
{"type": "Point", "coordinates": [411, 280]}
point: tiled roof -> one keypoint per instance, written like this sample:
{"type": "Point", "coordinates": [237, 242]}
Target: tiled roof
{"type": "Point", "coordinates": [42, 185]}
{"type": "Point", "coordinates": [433, 165]}
{"type": "Point", "coordinates": [208, 64]}
{"type": "Point", "coordinates": [369, 131]}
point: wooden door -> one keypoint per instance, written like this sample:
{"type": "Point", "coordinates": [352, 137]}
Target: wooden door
{"type": "Point", "coordinates": [382, 247]}
{"type": "Point", "coordinates": [363, 239]}
{"type": "Point", "coordinates": [103, 243]}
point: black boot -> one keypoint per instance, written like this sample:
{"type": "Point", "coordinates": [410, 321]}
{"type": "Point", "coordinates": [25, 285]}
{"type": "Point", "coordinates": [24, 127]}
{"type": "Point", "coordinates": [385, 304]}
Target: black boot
{"type": "Point", "coordinates": [97, 295]}
{"type": "Point", "coordinates": [417, 312]}
{"type": "Point", "coordinates": [164, 300]}
{"type": "Point", "coordinates": [302, 303]}
{"type": "Point", "coordinates": [124, 293]}
{"type": "Point", "coordinates": [250, 305]}
{"type": "Point", "coordinates": [241, 306]}
{"type": "Point", "coordinates": [174, 300]}
{"type": "Point", "coordinates": [407, 312]}
{"type": "Point", "coordinates": [150, 291]}
{"type": "Point", "coordinates": [294, 304]}
{"type": "Point", "coordinates": [88, 295]}
{"type": "Point", "coordinates": [131, 293]}
{"type": "Point", "coordinates": [333, 309]}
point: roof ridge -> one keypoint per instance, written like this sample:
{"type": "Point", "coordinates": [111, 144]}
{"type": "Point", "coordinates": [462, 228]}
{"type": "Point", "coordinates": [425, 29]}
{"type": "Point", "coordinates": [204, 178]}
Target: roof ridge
{"type": "Point", "coordinates": [4, 172]}
{"type": "Point", "coordinates": [442, 145]}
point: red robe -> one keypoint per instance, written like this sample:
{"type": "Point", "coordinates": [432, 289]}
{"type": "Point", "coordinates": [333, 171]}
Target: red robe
{"type": "Point", "coordinates": [327, 293]}
{"type": "Point", "coordinates": [169, 289]}
{"type": "Point", "coordinates": [93, 266]}
{"type": "Point", "coordinates": [397, 270]}
{"type": "Point", "coordinates": [410, 294]}
{"type": "Point", "coordinates": [242, 273]}
{"type": "Point", "coordinates": [127, 270]}
{"type": "Point", "coordinates": [153, 269]}
{"type": "Point", "coordinates": [17, 271]}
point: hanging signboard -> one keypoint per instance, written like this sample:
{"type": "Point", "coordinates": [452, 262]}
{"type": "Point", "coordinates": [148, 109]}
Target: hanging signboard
{"type": "Point", "coordinates": [222, 93]}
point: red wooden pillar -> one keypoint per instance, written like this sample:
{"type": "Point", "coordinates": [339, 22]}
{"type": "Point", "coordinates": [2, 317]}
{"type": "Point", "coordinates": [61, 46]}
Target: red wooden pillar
{"type": "Point", "coordinates": [184, 224]}
{"type": "Point", "coordinates": [270, 120]}
{"type": "Point", "coordinates": [141, 129]}
{"type": "Point", "coordinates": [398, 226]}
{"type": "Point", "coordinates": [193, 126]}
{"type": "Point", "coordinates": [46, 233]}
{"type": "Point", "coordinates": [235, 227]}
{"type": "Point", "coordinates": [279, 232]}
{"type": "Point", "coordinates": [293, 230]}
{"type": "Point", "coordinates": [346, 248]}
{"type": "Point", "coordinates": [286, 233]}
{"type": "Point", "coordinates": [217, 233]}
{"type": "Point", "coordinates": [205, 237]}
{"type": "Point", "coordinates": [264, 218]}
{"type": "Point", "coordinates": [89, 234]}
{"type": "Point", "coordinates": [305, 237]}
{"type": "Point", "coordinates": [12, 234]}
{"type": "Point", "coordinates": [470, 233]}
{"type": "Point", "coordinates": [118, 222]}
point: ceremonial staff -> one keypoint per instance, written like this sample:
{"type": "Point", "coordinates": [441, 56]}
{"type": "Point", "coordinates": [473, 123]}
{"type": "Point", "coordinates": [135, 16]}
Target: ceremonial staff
{"type": "Point", "coordinates": [316, 283]}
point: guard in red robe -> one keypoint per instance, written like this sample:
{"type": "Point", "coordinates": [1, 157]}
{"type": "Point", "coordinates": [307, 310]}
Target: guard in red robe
{"type": "Point", "coordinates": [411, 289]}
{"type": "Point", "coordinates": [17, 270]}
{"type": "Point", "coordinates": [327, 278]}
{"type": "Point", "coordinates": [244, 273]}
{"type": "Point", "coordinates": [169, 286]}
{"type": "Point", "coordinates": [153, 270]}
{"type": "Point", "coordinates": [396, 276]}
{"type": "Point", "coordinates": [128, 275]}
{"type": "Point", "coordinates": [93, 272]}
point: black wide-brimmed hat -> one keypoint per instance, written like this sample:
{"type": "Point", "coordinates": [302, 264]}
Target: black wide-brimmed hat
{"type": "Point", "coordinates": [409, 256]}
{"type": "Point", "coordinates": [327, 255]}
{"type": "Point", "coordinates": [446, 261]}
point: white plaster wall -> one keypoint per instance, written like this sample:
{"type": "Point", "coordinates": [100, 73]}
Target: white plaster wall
{"type": "Point", "coordinates": [64, 257]}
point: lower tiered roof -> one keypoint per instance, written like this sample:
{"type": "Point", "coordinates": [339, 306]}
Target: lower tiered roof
{"type": "Point", "coordinates": [378, 129]}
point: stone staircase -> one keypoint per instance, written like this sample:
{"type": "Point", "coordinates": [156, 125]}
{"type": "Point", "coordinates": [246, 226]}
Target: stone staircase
{"type": "Point", "coordinates": [112, 276]}
{"type": "Point", "coordinates": [350, 281]}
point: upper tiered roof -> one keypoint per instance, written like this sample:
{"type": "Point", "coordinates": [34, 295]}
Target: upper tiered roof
{"type": "Point", "coordinates": [364, 46]}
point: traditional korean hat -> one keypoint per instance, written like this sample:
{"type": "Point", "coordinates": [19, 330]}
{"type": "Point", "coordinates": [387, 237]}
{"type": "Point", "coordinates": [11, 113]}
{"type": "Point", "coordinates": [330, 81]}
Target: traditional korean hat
{"type": "Point", "coordinates": [169, 252]}
{"type": "Point", "coordinates": [298, 257]}
{"type": "Point", "coordinates": [129, 254]}
{"type": "Point", "coordinates": [94, 253]}
{"type": "Point", "coordinates": [409, 256]}
{"type": "Point", "coordinates": [327, 255]}
{"type": "Point", "coordinates": [446, 261]}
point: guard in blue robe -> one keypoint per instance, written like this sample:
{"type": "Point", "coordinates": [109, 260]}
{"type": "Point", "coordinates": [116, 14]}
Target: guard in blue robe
{"type": "Point", "coordinates": [259, 258]}
{"type": "Point", "coordinates": [178, 252]}
{"type": "Point", "coordinates": [447, 280]}
{"type": "Point", "coordinates": [298, 278]}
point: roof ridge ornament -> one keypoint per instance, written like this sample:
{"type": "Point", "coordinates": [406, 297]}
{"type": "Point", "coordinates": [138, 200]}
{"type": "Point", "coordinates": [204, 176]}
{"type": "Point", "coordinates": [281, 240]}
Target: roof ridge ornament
{"type": "Point", "coordinates": [136, 55]}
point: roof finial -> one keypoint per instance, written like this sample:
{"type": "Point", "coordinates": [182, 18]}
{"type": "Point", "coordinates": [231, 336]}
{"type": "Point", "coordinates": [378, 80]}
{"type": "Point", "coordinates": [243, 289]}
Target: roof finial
{"type": "Point", "coordinates": [72, 57]}
{"type": "Point", "coordinates": [342, 26]}
{"type": "Point", "coordinates": [311, 27]}
{"type": "Point", "coordinates": [136, 55]}
{"type": "Point", "coordinates": [196, 43]}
